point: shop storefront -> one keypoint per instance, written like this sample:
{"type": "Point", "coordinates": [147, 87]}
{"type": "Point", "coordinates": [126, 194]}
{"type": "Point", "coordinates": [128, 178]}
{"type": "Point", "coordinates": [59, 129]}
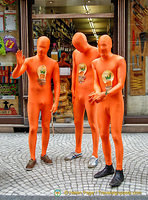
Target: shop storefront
{"type": "Point", "coordinates": [14, 34]}
{"type": "Point", "coordinates": [125, 21]}
{"type": "Point", "coordinates": [10, 89]}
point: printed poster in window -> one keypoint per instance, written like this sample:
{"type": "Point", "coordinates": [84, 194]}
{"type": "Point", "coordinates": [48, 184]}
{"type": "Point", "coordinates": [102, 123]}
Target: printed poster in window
{"type": "Point", "coordinates": [10, 20]}
{"type": "Point", "coordinates": [9, 105]}
{"type": "Point", "coordinates": [1, 22]}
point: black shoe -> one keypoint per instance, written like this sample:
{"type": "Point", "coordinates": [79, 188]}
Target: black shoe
{"type": "Point", "coordinates": [117, 179]}
{"type": "Point", "coordinates": [108, 170]}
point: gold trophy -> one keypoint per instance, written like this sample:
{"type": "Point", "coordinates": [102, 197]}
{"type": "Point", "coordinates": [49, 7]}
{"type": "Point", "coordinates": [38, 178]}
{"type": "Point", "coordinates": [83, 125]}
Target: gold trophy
{"type": "Point", "coordinates": [42, 71]}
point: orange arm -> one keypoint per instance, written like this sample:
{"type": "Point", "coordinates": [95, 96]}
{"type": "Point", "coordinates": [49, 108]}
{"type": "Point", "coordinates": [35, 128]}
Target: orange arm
{"type": "Point", "coordinates": [56, 81]}
{"type": "Point", "coordinates": [97, 95]}
{"type": "Point", "coordinates": [21, 66]}
{"type": "Point", "coordinates": [96, 80]}
{"type": "Point", "coordinates": [121, 74]}
{"type": "Point", "coordinates": [74, 75]}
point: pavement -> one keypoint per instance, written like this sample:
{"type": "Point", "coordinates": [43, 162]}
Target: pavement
{"type": "Point", "coordinates": [70, 180]}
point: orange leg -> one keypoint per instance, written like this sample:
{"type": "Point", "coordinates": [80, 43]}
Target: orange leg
{"type": "Point", "coordinates": [117, 111]}
{"type": "Point", "coordinates": [79, 110]}
{"type": "Point", "coordinates": [33, 115]}
{"type": "Point", "coordinates": [104, 121]}
{"type": "Point", "coordinates": [46, 117]}
{"type": "Point", "coordinates": [91, 110]}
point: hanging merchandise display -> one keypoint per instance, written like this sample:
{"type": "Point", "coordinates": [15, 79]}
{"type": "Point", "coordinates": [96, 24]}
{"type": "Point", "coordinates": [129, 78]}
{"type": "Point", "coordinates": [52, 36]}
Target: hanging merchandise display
{"type": "Point", "coordinates": [54, 52]}
{"type": "Point", "coordinates": [143, 40]}
{"type": "Point", "coordinates": [65, 67]}
{"type": "Point", "coordinates": [2, 47]}
{"type": "Point", "coordinates": [10, 43]}
{"type": "Point", "coordinates": [7, 2]}
{"type": "Point", "coordinates": [62, 62]}
{"type": "Point", "coordinates": [40, 28]}
{"type": "Point", "coordinates": [138, 53]}
{"type": "Point", "coordinates": [9, 87]}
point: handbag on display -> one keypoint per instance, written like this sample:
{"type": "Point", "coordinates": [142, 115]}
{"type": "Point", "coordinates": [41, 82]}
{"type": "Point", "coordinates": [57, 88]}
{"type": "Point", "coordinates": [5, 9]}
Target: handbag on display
{"type": "Point", "coordinates": [10, 43]}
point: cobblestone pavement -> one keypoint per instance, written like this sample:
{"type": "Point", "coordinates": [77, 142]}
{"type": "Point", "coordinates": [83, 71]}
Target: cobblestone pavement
{"type": "Point", "coordinates": [71, 178]}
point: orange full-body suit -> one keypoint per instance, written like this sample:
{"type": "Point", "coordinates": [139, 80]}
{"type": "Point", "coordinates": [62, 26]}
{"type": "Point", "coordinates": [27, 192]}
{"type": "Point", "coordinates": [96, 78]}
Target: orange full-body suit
{"type": "Point", "coordinates": [82, 85]}
{"type": "Point", "coordinates": [110, 73]}
{"type": "Point", "coordinates": [40, 69]}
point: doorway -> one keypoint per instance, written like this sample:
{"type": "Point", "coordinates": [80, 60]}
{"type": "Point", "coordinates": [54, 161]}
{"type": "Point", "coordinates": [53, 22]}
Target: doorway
{"type": "Point", "coordinates": [60, 21]}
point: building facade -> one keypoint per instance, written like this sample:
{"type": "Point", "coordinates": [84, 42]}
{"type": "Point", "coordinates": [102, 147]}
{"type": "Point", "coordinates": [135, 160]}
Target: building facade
{"type": "Point", "coordinates": [22, 22]}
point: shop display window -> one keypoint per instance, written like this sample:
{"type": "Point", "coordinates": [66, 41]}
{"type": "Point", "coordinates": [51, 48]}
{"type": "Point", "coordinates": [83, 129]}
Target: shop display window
{"type": "Point", "coordinates": [137, 90]}
{"type": "Point", "coordinates": [72, 6]}
{"type": "Point", "coordinates": [9, 41]}
{"type": "Point", "coordinates": [61, 30]}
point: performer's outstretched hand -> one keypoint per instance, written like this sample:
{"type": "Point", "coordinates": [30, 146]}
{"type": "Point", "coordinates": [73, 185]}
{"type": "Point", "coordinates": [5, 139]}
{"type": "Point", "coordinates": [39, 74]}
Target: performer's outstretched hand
{"type": "Point", "coordinates": [20, 57]}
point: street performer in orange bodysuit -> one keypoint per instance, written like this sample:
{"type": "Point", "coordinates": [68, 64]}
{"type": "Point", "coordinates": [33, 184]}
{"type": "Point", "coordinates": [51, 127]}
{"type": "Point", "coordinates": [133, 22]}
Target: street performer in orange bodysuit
{"type": "Point", "coordinates": [109, 73]}
{"type": "Point", "coordinates": [40, 69]}
{"type": "Point", "coordinates": [82, 85]}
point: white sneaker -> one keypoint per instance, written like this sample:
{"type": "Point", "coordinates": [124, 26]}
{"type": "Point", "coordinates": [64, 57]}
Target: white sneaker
{"type": "Point", "coordinates": [93, 162]}
{"type": "Point", "coordinates": [73, 155]}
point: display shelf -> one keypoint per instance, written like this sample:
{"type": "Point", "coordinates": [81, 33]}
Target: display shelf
{"type": "Point", "coordinates": [60, 31]}
{"type": "Point", "coordinates": [138, 49]}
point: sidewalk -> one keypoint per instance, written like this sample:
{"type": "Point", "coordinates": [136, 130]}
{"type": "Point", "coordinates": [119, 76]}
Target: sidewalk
{"type": "Point", "coordinates": [70, 128]}
{"type": "Point", "coordinates": [71, 179]}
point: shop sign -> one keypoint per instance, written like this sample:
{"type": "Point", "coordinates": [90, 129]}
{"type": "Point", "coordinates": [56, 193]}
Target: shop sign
{"type": "Point", "coordinates": [9, 106]}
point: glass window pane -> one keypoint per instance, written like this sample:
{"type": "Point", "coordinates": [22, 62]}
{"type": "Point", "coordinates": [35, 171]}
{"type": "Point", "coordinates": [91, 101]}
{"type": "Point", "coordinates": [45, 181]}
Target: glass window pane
{"type": "Point", "coordinates": [10, 89]}
{"type": "Point", "coordinates": [137, 93]}
{"type": "Point", "coordinates": [72, 6]}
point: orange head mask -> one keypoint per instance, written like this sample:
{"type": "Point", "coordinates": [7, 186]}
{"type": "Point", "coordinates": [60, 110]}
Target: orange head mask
{"type": "Point", "coordinates": [105, 45]}
{"type": "Point", "coordinates": [43, 44]}
{"type": "Point", "coordinates": [79, 41]}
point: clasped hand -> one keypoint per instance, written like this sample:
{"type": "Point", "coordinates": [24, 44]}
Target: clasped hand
{"type": "Point", "coordinates": [96, 97]}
